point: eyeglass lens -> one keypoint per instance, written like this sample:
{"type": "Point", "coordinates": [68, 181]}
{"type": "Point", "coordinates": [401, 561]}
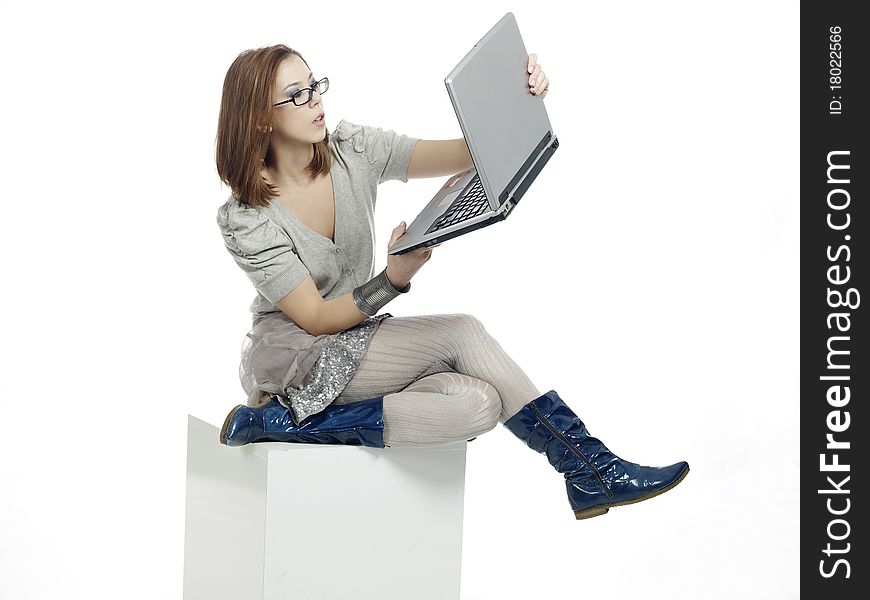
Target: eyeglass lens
{"type": "Point", "coordinates": [303, 97]}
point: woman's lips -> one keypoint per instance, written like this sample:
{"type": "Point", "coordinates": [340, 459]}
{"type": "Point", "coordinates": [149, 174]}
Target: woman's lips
{"type": "Point", "coordinates": [319, 120]}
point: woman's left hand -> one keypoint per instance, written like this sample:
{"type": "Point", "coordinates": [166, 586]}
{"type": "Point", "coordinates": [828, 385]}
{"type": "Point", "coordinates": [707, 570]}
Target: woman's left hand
{"type": "Point", "coordinates": [538, 82]}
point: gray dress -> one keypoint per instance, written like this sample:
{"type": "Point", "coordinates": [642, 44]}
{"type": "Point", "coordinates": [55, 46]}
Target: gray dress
{"type": "Point", "coordinates": [277, 252]}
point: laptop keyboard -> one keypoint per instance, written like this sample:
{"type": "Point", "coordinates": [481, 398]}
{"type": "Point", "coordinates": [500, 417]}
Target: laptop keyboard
{"type": "Point", "coordinates": [472, 204]}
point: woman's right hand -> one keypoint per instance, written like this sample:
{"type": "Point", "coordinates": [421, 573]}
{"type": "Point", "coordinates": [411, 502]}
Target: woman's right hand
{"type": "Point", "coordinates": [402, 267]}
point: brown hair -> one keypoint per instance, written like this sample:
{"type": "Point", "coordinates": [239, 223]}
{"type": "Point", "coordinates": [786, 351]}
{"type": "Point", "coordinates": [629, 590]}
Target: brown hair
{"type": "Point", "coordinates": [241, 147]}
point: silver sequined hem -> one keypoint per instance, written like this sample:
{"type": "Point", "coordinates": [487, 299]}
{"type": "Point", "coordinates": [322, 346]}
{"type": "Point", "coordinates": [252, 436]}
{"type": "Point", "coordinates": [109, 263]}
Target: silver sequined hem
{"type": "Point", "coordinates": [336, 366]}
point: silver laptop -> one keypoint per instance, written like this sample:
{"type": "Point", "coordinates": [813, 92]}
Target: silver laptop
{"type": "Point", "coordinates": [508, 135]}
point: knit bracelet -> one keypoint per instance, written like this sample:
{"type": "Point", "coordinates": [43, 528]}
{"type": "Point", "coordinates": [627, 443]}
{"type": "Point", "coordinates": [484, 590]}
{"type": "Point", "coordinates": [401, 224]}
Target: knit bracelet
{"type": "Point", "coordinates": [371, 296]}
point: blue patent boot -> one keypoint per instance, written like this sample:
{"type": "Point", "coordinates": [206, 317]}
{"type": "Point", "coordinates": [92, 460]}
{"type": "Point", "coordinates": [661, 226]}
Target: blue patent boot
{"type": "Point", "coordinates": [357, 424]}
{"type": "Point", "coordinates": [596, 479]}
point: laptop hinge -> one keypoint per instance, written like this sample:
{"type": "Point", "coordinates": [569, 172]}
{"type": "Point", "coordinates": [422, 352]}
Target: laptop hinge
{"type": "Point", "coordinates": [517, 186]}
{"type": "Point", "coordinates": [508, 207]}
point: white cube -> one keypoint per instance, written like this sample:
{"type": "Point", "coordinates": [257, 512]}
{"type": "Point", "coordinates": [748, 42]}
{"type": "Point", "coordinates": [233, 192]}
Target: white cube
{"type": "Point", "coordinates": [289, 521]}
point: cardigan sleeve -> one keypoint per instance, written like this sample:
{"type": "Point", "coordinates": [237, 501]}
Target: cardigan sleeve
{"type": "Point", "coordinates": [388, 153]}
{"type": "Point", "coordinates": [263, 250]}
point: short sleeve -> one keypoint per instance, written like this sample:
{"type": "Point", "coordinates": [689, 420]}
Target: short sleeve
{"type": "Point", "coordinates": [388, 152]}
{"type": "Point", "coordinates": [262, 249]}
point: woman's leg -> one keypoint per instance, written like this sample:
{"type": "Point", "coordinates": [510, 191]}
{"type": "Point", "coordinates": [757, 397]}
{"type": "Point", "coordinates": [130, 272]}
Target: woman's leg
{"type": "Point", "coordinates": [405, 350]}
{"type": "Point", "coordinates": [409, 362]}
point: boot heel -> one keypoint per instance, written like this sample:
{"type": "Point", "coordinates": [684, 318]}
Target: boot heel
{"type": "Point", "coordinates": [588, 513]}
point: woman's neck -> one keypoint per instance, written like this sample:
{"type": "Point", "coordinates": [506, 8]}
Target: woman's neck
{"type": "Point", "coordinates": [289, 166]}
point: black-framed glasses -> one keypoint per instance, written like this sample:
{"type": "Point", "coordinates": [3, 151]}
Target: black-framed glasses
{"type": "Point", "coordinates": [303, 96]}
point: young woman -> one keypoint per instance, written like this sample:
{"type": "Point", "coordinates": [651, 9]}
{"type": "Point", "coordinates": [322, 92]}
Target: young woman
{"type": "Point", "coordinates": [299, 222]}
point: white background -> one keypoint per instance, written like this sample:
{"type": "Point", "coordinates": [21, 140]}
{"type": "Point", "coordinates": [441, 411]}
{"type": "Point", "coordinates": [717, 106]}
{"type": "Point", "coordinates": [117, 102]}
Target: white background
{"type": "Point", "coordinates": [650, 276]}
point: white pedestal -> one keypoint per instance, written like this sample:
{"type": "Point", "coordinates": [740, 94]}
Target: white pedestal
{"type": "Point", "coordinates": [273, 520]}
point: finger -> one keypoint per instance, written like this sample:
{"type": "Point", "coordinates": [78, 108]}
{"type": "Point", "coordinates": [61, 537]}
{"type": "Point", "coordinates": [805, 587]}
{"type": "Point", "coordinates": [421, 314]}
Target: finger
{"type": "Point", "coordinates": [543, 86]}
{"type": "Point", "coordinates": [536, 82]}
{"type": "Point", "coordinates": [397, 233]}
{"type": "Point", "coordinates": [534, 74]}
{"type": "Point", "coordinates": [533, 59]}
{"type": "Point", "coordinates": [533, 79]}
{"type": "Point", "coordinates": [539, 83]}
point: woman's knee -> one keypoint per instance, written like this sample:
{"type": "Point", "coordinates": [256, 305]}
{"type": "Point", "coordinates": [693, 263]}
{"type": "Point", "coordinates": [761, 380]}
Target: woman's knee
{"type": "Point", "coordinates": [464, 328]}
{"type": "Point", "coordinates": [475, 404]}
{"type": "Point", "coordinates": [484, 407]}
{"type": "Point", "coordinates": [467, 320]}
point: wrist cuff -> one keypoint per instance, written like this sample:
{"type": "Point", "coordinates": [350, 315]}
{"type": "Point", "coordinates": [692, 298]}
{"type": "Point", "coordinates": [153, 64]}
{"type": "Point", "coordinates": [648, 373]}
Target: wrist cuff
{"type": "Point", "coordinates": [371, 296]}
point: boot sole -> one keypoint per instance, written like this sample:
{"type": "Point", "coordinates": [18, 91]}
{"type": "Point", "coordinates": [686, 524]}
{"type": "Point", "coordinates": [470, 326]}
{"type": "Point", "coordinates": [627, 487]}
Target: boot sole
{"type": "Point", "coordinates": [227, 423]}
{"type": "Point", "coordinates": [601, 509]}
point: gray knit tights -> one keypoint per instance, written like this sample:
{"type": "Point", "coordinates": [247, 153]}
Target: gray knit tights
{"type": "Point", "coordinates": [443, 379]}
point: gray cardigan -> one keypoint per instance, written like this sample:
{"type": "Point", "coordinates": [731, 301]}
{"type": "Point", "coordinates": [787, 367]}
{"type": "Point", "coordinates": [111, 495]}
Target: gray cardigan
{"type": "Point", "coordinates": [277, 252]}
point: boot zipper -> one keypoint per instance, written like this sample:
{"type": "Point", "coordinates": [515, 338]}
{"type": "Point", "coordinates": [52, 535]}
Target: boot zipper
{"type": "Point", "coordinates": [571, 446]}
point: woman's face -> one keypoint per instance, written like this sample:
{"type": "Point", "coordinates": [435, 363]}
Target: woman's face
{"type": "Point", "coordinates": [291, 122]}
